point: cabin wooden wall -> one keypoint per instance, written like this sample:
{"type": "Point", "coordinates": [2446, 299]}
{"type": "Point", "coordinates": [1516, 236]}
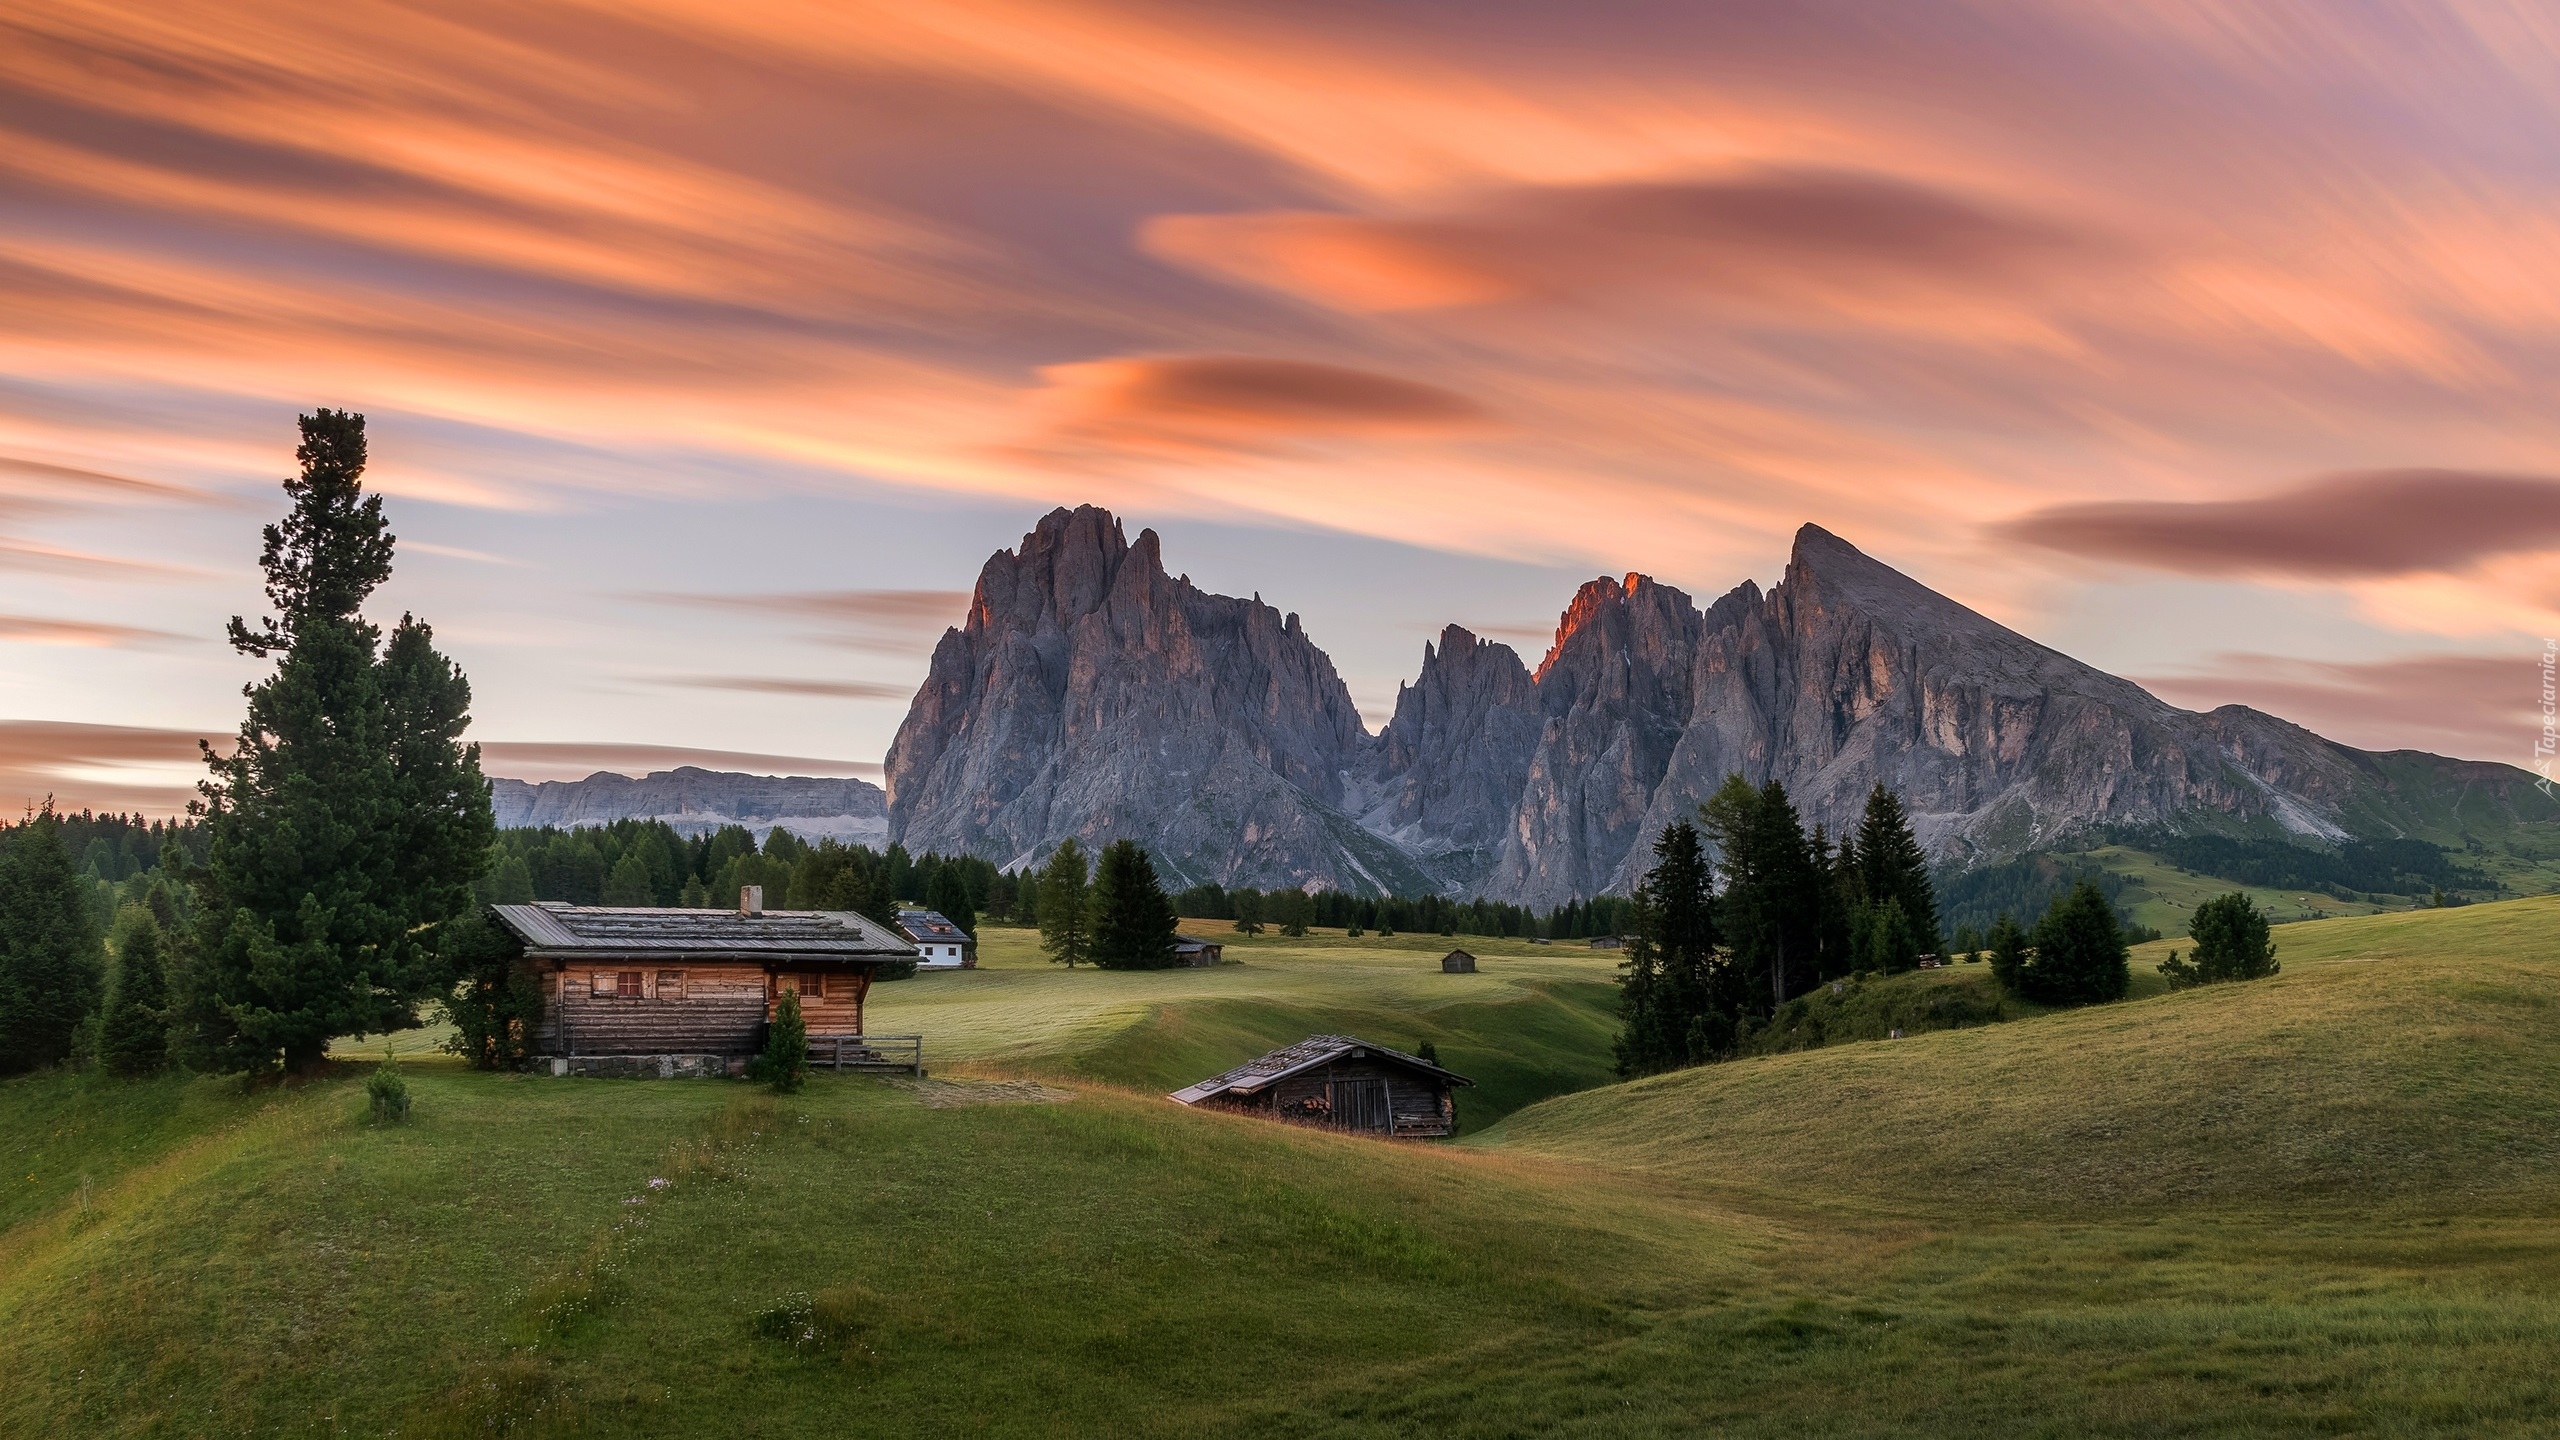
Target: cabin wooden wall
{"type": "Point", "coordinates": [1418, 1105]}
{"type": "Point", "coordinates": [713, 1010]}
{"type": "Point", "coordinates": [830, 1004]}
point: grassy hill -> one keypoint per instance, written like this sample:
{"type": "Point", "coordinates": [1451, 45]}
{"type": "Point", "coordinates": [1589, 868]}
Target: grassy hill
{"type": "Point", "coordinates": [2319, 1204]}
{"type": "Point", "coordinates": [1535, 1021]}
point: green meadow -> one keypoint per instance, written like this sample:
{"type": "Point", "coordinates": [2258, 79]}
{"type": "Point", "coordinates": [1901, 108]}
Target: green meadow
{"type": "Point", "coordinates": [2319, 1204]}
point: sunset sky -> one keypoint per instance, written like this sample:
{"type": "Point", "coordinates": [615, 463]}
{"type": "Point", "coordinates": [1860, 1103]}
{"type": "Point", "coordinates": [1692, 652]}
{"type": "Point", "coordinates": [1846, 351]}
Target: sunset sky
{"type": "Point", "coordinates": [708, 349]}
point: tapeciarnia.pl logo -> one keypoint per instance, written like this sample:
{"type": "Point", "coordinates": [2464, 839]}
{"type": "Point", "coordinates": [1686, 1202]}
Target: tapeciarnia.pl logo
{"type": "Point", "coordinates": [2544, 748]}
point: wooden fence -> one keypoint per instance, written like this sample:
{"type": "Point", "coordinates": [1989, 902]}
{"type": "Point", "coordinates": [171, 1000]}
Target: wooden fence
{"type": "Point", "coordinates": [867, 1052]}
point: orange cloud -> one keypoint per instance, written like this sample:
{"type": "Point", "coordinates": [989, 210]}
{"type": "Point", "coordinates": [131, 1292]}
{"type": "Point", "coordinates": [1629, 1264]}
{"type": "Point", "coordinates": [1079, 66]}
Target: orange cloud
{"type": "Point", "coordinates": [1770, 235]}
{"type": "Point", "coordinates": [1184, 402]}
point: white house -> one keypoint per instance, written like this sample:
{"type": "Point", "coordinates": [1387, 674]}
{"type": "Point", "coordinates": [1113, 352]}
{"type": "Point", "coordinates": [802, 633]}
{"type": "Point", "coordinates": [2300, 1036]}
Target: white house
{"type": "Point", "coordinates": [940, 945]}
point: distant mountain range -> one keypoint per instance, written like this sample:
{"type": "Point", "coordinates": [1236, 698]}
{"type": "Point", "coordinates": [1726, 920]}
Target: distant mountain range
{"type": "Point", "coordinates": [1089, 694]}
{"type": "Point", "coordinates": [694, 800]}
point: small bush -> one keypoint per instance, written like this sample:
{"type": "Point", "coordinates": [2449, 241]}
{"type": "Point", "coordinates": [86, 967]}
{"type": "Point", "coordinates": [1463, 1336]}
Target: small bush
{"type": "Point", "coordinates": [388, 1092]}
{"type": "Point", "coordinates": [784, 1065]}
{"type": "Point", "coordinates": [2232, 943]}
{"type": "Point", "coordinates": [832, 1322]}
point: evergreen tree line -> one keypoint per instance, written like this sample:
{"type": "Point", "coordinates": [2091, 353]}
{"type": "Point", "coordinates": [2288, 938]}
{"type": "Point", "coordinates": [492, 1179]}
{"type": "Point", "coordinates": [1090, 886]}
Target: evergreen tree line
{"type": "Point", "coordinates": [2029, 885]}
{"type": "Point", "coordinates": [1714, 957]}
{"type": "Point", "coordinates": [648, 862]}
{"type": "Point", "coordinates": [73, 989]}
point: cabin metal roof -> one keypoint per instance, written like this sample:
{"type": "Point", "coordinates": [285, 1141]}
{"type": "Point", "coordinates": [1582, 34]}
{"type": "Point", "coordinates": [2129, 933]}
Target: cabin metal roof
{"type": "Point", "coordinates": [1263, 1071]}
{"type": "Point", "coordinates": [1190, 942]}
{"type": "Point", "coordinates": [930, 927]}
{"type": "Point", "coordinates": [550, 929]}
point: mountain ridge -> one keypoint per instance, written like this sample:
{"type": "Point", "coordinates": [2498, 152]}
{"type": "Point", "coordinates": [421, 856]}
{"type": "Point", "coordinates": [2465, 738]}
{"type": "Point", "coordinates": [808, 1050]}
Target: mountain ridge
{"type": "Point", "coordinates": [1089, 694]}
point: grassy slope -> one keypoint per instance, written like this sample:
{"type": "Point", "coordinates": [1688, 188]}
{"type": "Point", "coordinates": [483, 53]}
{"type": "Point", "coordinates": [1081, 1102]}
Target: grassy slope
{"type": "Point", "coordinates": [1535, 1021]}
{"type": "Point", "coordinates": [2392, 1065]}
{"type": "Point", "coordinates": [2319, 1204]}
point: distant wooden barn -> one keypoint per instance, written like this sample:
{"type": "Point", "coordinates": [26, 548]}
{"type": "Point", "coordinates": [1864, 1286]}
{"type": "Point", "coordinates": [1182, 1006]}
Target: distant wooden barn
{"type": "Point", "coordinates": [1192, 950]}
{"type": "Point", "coordinates": [1339, 1083]}
{"type": "Point", "coordinates": [1458, 962]}
{"type": "Point", "coordinates": [630, 990]}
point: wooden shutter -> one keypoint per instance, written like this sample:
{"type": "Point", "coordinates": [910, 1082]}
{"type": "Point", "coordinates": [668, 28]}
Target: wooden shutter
{"type": "Point", "coordinates": [604, 982]}
{"type": "Point", "coordinates": [670, 984]}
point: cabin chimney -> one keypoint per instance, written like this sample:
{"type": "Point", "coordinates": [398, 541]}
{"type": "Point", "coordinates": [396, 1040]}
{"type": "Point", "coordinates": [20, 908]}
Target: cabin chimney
{"type": "Point", "coordinates": [750, 900]}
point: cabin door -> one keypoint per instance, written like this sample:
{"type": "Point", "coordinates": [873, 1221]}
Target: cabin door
{"type": "Point", "coordinates": [1361, 1105]}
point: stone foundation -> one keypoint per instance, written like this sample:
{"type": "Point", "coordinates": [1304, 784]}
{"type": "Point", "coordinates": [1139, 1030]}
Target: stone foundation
{"type": "Point", "coordinates": [640, 1067]}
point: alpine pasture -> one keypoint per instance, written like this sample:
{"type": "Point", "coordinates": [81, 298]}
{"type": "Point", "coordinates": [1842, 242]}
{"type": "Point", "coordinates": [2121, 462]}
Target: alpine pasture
{"type": "Point", "coordinates": [2321, 1203]}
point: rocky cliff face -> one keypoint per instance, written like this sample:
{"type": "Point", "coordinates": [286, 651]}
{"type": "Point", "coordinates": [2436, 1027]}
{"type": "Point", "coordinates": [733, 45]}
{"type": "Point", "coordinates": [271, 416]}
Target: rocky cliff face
{"type": "Point", "coordinates": [694, 800]}
{"type": "Point", "coordinates": [1090, 695]}
{"type": "Point", "coordinates": [1446, 772]}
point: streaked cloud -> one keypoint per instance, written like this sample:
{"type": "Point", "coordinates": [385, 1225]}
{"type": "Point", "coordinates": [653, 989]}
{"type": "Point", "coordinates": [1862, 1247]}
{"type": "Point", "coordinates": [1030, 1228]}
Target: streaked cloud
{"type": "Point", "coordinates": [786, 685]}
{"type": "Point", "coordinates": [1773, 237]}
{"type": "Point", "coordinates": [2378, 523]}
{"type": "Point", "coordinates": [889, 622]}
{"type": "Point", "coordinates": [45, 630]}
{"type": "Point", "coordinates": [1186, 403]}
{"type": "Point", "coordinates": [103, 767]}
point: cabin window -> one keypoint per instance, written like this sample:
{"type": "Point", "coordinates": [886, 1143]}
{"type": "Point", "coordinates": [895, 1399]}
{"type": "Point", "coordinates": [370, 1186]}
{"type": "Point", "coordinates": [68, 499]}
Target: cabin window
{"type": "Point", "coordinates": [626, 983]}
{"type": "Point", "coordinates": [816, 989]}
{"type": "Point", "coordinates": [670, 984]}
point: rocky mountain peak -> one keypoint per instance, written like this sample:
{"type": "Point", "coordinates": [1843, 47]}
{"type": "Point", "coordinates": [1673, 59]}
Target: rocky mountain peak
{"type": "Point", "coordinates": [1091, 695]}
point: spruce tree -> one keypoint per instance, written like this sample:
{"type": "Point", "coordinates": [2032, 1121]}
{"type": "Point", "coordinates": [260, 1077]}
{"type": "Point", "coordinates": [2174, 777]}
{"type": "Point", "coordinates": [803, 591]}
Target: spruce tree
{"type": "Point", "coordinates": [510, 882]}
{"type": "Point", "coordinates": [1891, 867]}
{"type": "Point", "coordinates": [1248, 908]}
{"type": "Point", "coordinates": [1668, 1010]}
{"type": "Point", "coordinates": [1064, 931]}
{"type": "Point", "coordinates": [51, 966]}
{"type": "Point", "coordinates": [784, 1065]}
{"type": "Point", "coordinates": [2007, 943]}
{"type": "Point", "coordinates": [2080, 952]}
{"type": "Point", "coordinates": [133, 1038]}
{"type": "Point", "coordinates": [349, 823]}
{"type": "Point", "coordinates": [949, 894]}
{"type": "Point", "coordinates": [629, 882]}
{"type": "Point", "coordinates": [1132, 921]}
{"type": "Point", "coordinates": [496, 1000]}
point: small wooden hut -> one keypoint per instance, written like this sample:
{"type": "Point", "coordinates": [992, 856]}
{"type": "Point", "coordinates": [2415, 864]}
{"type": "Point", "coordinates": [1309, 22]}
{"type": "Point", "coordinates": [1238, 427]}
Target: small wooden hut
{"type": "Point", "coordinates": [1339, 1082]}
{"type": "Point", "coordinates": [629, 990]}
{"type": "Point", "coordinates": [1457, 962]}
{"type": "Point", "coordinates": [1192, 950]}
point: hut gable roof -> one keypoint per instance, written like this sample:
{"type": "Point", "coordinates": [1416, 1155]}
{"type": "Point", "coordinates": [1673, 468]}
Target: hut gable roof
{"type": "Point", "coordinates": [552, 929]}
{"type": "Point", "coordinates": [1307, 1054]}
{"type": "Point", "coordinates": [930, 927]}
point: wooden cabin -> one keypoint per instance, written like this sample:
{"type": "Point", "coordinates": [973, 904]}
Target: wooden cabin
{"type": "Point", "coordinates": [1192, 950]}
{"type": "Point", "coordinates": [1457, 962]}
{"type": "Point", "coordinates": [1338, 1082]}
{"type": "Point", "coordinates": [629, 990]}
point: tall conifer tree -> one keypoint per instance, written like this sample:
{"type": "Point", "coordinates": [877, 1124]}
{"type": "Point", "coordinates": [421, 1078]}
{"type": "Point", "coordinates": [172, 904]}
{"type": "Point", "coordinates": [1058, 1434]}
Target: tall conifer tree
{"type": "Point", "coordinates": [1891, 867]}
{"type": "Point", "coordinates": [1065, 932]}
{"type": "Point", "coordinates": [1133, 922]}
{"type": "Point", "coordinates": [1674, 1008]}
{"type": "Point", "coordinates": [349, 822]}
{"type": "Point", "coordinates": [133, 1035]}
